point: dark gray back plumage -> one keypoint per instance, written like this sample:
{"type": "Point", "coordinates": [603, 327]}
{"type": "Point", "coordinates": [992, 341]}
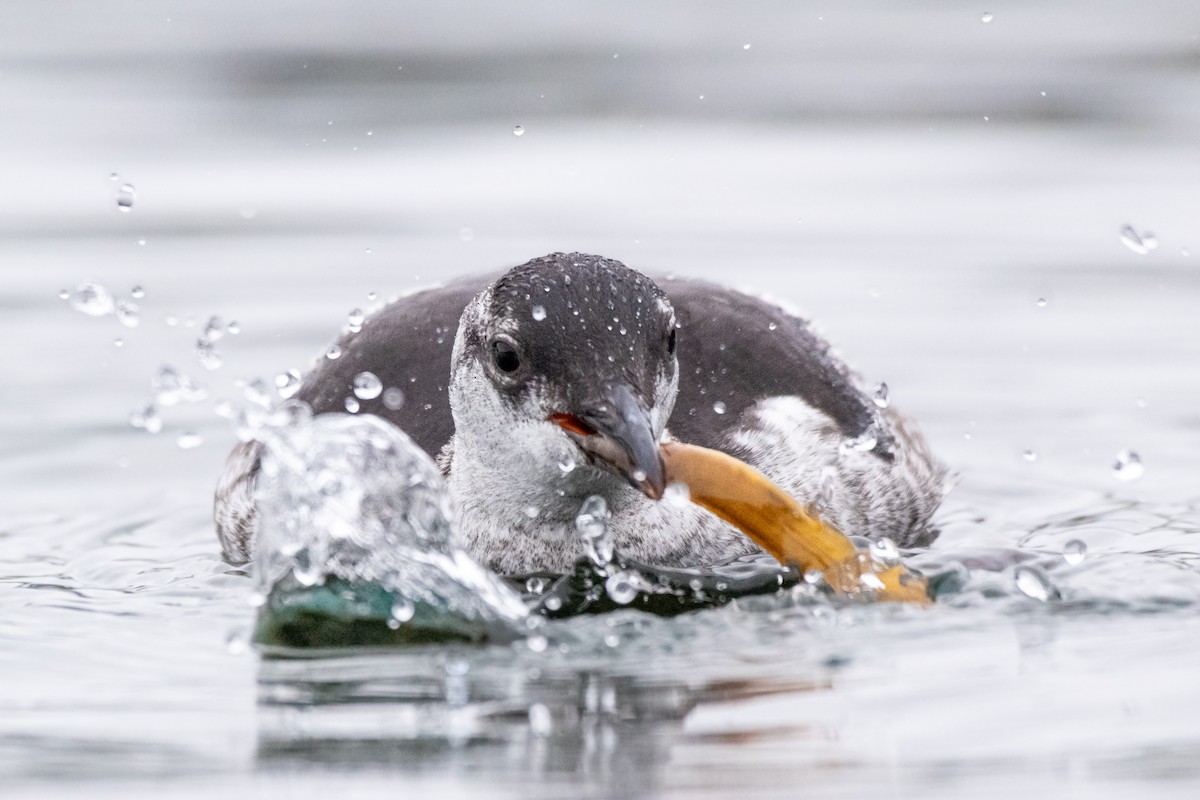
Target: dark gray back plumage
{"type": "Point", "coordinates": [727, 351]}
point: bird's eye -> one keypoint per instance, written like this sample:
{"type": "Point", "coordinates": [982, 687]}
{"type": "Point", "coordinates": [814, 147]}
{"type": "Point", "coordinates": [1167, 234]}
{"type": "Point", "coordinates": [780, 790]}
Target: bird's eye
{"type": "Point", "coordinates": [671, 342]}
{"type": "Point", "coordinates": [505, 356]}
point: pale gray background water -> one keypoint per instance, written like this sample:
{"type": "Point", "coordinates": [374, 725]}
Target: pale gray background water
{"type": "Point", "coordinates": [913, 178]}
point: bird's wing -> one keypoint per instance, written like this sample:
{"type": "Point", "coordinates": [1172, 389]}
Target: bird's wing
{"type": "Point", "coordinates": [407, 345]}
{"type": "Point", "coordinates": [735, 350]}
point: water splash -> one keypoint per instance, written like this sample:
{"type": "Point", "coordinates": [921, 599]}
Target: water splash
{"type": "Point", "coordinates": [353, 501]}
{"type": "Point", "coordinates": [592, 525]}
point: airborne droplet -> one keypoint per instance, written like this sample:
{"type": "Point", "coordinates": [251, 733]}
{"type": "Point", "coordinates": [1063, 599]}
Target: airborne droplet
{"type": "Point", "coordinates": [92, 299]}
{"type": "Point", "coordinates": [125, 197]}
{"type": "Point", "coordinates": [518, 130]}
{"type": "Point", "coordinates": [538, 313]}
{"type": "Point", "coordinates": [719, 407]}
{"type": "Point", "coordinates": [189, 440]}
{"type": "Point", "coordinates": [1140, 243]}
{"type": "Point", "coordinates": [1128, 466]}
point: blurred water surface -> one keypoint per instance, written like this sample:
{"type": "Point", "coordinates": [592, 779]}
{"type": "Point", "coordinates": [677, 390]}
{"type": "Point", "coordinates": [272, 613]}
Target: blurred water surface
{"type": "Point", "coordinates": [912, 177]}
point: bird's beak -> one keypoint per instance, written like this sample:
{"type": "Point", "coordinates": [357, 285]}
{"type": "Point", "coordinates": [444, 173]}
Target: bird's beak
{"type": "Point", "coordinates": [617, 434]}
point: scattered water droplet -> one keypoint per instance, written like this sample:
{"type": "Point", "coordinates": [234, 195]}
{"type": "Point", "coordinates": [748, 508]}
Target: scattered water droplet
{"type": "Point", "coordinates": [118, 342]}
{"type": "Point", "coordinates": [539, 313]}
{"type": "Point", "coordinates": [532, 512]}
{"type": "Point", "coordinates": [746, 47]}
{"type": "Point", "coordinates": [371, 296]}
{"type": "Point", "coordinates": [355, 319]}
{"type": "Point", "coordinates": [112, 176]}
{"type": "Point", "coordinates": [127, 313]}
{"type": "Point", "coordinates": [351, 405]}
{"type": "Point", "coordinates": [621, 588]}
{"type": "Point", "coordinates": [538, 643]}
{"type": "Point", "coordinates": [1035, 584]}
{"type": "Point", "coordinates": [1074, 551]}
{"type": "Point", "coordinates": [137, 293]}
{"type": "Point", "coordinates": [334, 352]}
{"type": "Point", "coordinates": [881, 395]}
{"type": "Point", "coordinates": [237, 642]}
{"type": "Point", "coordinates": [1140, 243]}
{"type": "Point", "coordinates": [403, 610]}
{"type": "Point", "coordinates": [233, 328]}
{"type": "Point", "coordinates": [393, 398]}
{"type": "Point", "coordinates": [885, 553]}
{"type": "Point", "coordinates": [592, 524]}
{"type": "Point", "coordinates": [64, 294]}
{"type": "Point", "coordinates": [146, 418]}
{"type": "Point", "coordinates": [1128, 466]}
{"type": "Point", "coordinates": [719, 407]}
{"type": "Point", "coordinates": [256, 392]}
{"type": "Point", "coordinates": [566, 465]}
{"type": "Point", "coordinates": [287, 383]}
{"type": "Point", "coordinates": [535, 585]}
{"type": "Point", "coordinates": [466, 234]}
{"type": "Point", "coordinates": [92, 299]}
{"type": "Point", "coordinates": [207, 355]}
{"type": "Point", "coordinates": [1041, 302]}
{"type": "Point", "coordinates": [518, 130]}
{"type": "Point", "coordinates": [986, 18]}
{"type": "Point", "coordinates": [540, 722]}
{"type": "Point", "coordinates": [677, 494]}
{"type": "Point", "coordinates": [189, 440]}
{"type": "Point", "coordinates": [1029, 455]}
{"type": "Point", "coordinates": [125, 197]}
{"type": "Point", "coordinates": [367, 386]}
{"type": "Point", "coordinates": [863, 443]}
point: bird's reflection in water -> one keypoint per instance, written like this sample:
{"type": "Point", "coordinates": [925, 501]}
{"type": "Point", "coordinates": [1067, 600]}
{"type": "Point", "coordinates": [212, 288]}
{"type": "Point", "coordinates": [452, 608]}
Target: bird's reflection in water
{"type": "Point", "coordinates": [477, 718]}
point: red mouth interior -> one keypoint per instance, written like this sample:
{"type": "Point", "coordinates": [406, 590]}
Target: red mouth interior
{"type": "Point", "coordinates": [572, 423]}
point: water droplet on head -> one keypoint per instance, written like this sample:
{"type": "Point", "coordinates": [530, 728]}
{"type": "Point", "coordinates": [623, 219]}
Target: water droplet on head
{"type": "Point", "coordinates": [538, 313]}
{"type": "Point", "coordinates": [532, 512]}
{"type": "Point", "coordinates": [881, 395]}
{"type": "Point", "coordinates": [351, 405]}
{"type": "Point", "coordinates": [125, 197]}
{"type": "Point", "coordinates": [566, 465]}
{"type": "Point", "coordinates": [355, 319]}
{"type": "Point", "coordinates": [334, 352]}
{"type": "Point", "coordinates": [1128, 466]}
{"type": "Point", "coordinates": [719, 407]}
{"type": "Point", "coordinates": [92, 299]}
{"type": "Point", "coordinates": [535, 585]}
{"type": "Point", "coordinates": [1035, 584]}
{"type": "Point", "coordinates": [393, 398]}
{"type": "Point", "coordinates": [518, 130]}
{"type": "Point", "coordinates": [367, 386]}
{"type": "Point", "coordinates": [189, 440]}
{"type": "Point", "coordinates": [1074, 551]}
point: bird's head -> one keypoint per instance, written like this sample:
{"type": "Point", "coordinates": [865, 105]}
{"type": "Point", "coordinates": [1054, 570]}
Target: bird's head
{"type": "Point", "coordinates": [565, 361]}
